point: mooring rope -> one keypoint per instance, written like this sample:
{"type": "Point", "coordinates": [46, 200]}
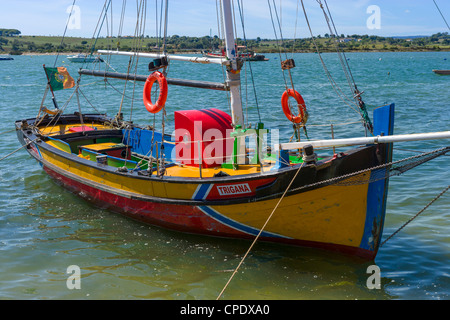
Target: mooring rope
{"type": "Point", "coordinates": [260, 232]}
{"type": "Point", "coordinates": [419, 213]}
{"type": "Point", "coordinates": [7, 131]}
{"type": "Point", "coordinates": [442, 151]}
{"type": "Point", "coordinates": [25, 145]}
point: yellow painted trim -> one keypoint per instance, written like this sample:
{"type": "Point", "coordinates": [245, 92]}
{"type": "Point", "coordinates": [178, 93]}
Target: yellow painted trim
{"type": "Point", "coordinates": [194, 172]}
{"type": "Point", "coordinates": [63, 129]}
{"type": "Point", "coordinates": [138, 186]}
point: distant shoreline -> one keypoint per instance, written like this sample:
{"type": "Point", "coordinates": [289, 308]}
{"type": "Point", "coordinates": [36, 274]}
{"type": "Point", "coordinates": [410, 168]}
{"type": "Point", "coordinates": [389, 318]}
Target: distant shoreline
{"type": "Point", "coordinates": [49, 53]}
{"type": "Point", "coordinates": [354, 51]}
{"type": "Point", "coordinates": [49, 45]}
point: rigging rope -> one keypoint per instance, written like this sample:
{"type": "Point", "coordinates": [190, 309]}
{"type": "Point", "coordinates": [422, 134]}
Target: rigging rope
{"type": "Point", "coordinates": [100, 25]}
{"type": "Point", "coordinates": [333, 83]}
{"type": "Point", "coordinates": [276, 39]}
{"type": "Point", "coordinates": [341, 53]}
{"type": "Point", "coordinates": [295, 125]}
{"type": "Point", "coordinates": [347, 70]}
{"type": "Point", "coordinates": [249, 62]}
{"type": "Point", "coordinates": [414, 217]}
{"type": "Point", "coordinates": [64, 34]}
{"type": "Point", "coordinates": [25, 145]}
{"type": "Point", "coordinates": [260, 231]}
{"type": "Point", "coordinates": [441, 14]}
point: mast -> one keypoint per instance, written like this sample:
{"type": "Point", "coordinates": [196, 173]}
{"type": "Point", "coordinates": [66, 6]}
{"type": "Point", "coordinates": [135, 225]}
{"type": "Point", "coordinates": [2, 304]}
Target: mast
{"type": "Point", "coordinates": [233, 77]}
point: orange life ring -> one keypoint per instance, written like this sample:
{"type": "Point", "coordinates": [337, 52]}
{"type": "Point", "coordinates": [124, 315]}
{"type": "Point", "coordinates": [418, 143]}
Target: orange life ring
{"type": "Point", "coordinates": [149, 105]}
{"type": "Point", "coordinates": [302, 113]}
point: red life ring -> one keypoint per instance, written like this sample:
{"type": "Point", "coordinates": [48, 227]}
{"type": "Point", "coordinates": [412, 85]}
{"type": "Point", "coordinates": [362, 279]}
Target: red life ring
{"type": "Point", "coordinates": [157, 107]}
{"type": "Point", "coordinates": [302, 113]}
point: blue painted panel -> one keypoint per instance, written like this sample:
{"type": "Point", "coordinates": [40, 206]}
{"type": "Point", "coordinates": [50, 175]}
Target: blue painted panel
{"type": "Point", "coordinates": [383, 118]}
{"type": "Point", "coordinates": [282, 160]}
{"type": "Point", "coordinates": [377, 193]}
{"type": "Point", "coordinates": [140, 141]}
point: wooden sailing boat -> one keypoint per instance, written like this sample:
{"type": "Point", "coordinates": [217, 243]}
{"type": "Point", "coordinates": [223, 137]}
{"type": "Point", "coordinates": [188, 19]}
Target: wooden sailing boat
{"type": "Point", "coordinates": [442, 72]}
{"type": "Point", "coordinates": [288, 195]}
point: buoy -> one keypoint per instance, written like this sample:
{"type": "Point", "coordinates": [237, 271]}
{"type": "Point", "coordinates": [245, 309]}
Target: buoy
{"type": "Point", "coordinates": [149, 105]}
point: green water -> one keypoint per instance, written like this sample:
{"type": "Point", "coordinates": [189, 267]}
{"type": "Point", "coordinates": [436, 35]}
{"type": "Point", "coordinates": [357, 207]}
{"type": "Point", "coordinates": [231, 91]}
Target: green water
{"type": "Point", "coordinates": [45, 229]}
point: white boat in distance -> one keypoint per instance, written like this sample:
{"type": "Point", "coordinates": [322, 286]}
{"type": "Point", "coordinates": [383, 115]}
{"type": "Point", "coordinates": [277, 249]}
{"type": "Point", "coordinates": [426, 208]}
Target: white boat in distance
{"type": "Point", "coordinates": [6, 58]}
{"type": "Point", "coordinates": [84, 58]}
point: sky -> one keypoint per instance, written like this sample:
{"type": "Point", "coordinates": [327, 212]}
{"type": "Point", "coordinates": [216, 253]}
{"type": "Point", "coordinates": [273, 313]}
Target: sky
{"type": "Point", "coordinates": [198, 17]}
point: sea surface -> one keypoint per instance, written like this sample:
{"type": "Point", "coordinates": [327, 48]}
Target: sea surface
{"type": "Point", "coordinates": [44, 229]}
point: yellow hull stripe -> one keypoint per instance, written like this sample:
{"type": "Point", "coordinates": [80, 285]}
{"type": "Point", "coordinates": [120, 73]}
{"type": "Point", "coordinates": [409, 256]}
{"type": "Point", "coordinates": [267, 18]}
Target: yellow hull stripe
{"type": "Point", "coordinates": [332, 214]}
{"type": "Point", "coordinates": [129, 184]}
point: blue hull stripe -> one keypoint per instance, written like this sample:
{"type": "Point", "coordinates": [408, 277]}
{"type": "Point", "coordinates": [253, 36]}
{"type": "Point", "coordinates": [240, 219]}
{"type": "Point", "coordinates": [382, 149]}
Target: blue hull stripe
{"type": "Point", "coordinates": [377, 193]}
{"type": "Point", "coordinates": [236, 225]}
{"type": "Point", "coordinates": [202, 192]}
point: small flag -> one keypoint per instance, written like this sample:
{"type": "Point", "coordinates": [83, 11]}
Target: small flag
{"type": "Point", "coordinates": [59, 78]}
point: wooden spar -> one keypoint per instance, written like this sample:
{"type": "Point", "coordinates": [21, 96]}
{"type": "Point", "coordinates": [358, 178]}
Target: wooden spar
{"type": "Point", "coordinates": [202, 60]}
{"type": "Point", "coordinates": [142, 78]}
{"type": "Point", "coordinates": [368, 140]}
{"type": "Point", "coordinates": [233, 77]}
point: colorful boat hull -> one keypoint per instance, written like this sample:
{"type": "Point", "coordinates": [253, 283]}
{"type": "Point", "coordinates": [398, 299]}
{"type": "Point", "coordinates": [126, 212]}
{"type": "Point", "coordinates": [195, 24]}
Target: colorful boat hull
{"type": "Point", "coordinates": [344, 215]}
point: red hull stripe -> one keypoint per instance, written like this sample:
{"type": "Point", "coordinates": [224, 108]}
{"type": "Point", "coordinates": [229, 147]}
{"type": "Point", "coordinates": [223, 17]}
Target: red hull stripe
{"type": "Point", "coordinates": [184, 218]}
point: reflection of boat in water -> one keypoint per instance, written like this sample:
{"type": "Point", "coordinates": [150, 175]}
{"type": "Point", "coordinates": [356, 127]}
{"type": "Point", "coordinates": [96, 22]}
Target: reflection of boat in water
{"type": "Point", "coordinates": [216, 175]}
{"type": "Point", "coordinates": [83, 58]}
{"type": "Point", "coordinates": [5, 58]}
{"type": "Point", "coordinates": [442, 72]}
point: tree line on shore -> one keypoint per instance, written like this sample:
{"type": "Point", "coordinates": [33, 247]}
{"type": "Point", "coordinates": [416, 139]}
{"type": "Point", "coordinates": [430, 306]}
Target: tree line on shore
{"type": "Point", "coordinates": [12, 42]}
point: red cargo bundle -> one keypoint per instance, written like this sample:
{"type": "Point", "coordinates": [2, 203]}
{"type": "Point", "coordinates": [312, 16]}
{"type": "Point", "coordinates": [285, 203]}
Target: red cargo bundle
{"type": "Point", "coordinates": [208, 130]}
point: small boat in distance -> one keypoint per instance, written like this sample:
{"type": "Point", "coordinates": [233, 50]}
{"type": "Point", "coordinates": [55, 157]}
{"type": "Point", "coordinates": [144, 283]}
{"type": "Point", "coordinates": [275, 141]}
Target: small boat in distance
{"type": "Point", "coordinates": [243, 53]}
{"type": "Point", "coordinates": [80, 58]}
{"type": "Point", "coordinates": [442, 72]}
{"type": "Point", "coordinates": [3, 58]}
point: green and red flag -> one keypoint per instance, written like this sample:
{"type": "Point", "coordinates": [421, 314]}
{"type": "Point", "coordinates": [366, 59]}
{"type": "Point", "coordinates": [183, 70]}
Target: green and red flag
{"type": "Point", "coordinates": [59, 78]}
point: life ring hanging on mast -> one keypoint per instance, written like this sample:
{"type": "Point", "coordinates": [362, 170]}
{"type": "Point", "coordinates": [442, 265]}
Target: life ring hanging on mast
{"type": "Point", "coordinates": [302, 116]}
{"type": "Point", "coordinates": [163, 89]}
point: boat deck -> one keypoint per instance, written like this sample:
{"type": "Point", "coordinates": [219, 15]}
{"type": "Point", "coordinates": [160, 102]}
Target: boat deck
{"type": "Point", "coordinates": [71, 128]}
{"type": "Point", "coordinates": [194, 172]}
{"type": "Point", "coordinates": [112, 150]}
